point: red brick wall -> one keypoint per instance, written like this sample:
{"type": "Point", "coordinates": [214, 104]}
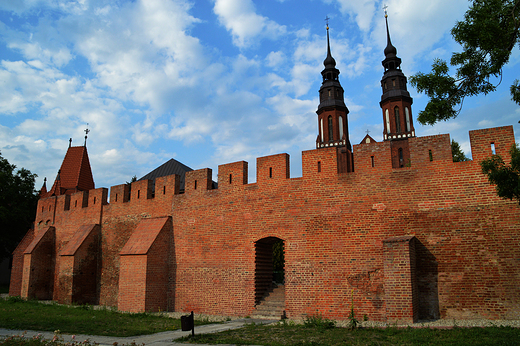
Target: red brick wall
{"type": "Point", "coordinates": [120, 220]}
{"type": "Point", "coordinates": [78, 275]}
{"type": "Point", "coordinates": [134, 290]}
{"type": "Point", "coordinates": [15, 285]}
{"type": "Point", "coordinates": [400, 279]}
{"type": "Point", "coordinates": [149, 250]}
{"type": "Point", "coordinates": [333, 227]}
{"type": "Point", "coordinates": [158, 271]}
{"type": "Point", "coordinates": [38, 266]}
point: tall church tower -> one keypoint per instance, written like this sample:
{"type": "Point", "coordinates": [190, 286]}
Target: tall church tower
{"type": "Point", "coordinates": [332, 114]}
{"type": "Point", "coordinates": [396, 104]}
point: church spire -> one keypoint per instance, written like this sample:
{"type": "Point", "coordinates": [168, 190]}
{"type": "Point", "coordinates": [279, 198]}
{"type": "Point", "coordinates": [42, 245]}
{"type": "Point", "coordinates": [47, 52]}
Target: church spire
{"type": "Point", "coordinates": [332, 113]}
{"type": "Point", "coordinates": [396, 104]}
{"type": "Point", "coordinates": [329, 61]}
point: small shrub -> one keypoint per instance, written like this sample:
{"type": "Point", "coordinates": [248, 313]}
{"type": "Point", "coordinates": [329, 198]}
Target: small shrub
{"type": "Point", "coordinates": [15, 299]}
{"type": "Point", "coordinates": [318, 322]}
{"type": "Point", "coordinates": [353, 322]}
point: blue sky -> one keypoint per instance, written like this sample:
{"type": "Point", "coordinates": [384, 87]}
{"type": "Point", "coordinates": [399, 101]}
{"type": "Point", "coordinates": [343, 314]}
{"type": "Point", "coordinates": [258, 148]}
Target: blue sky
{"type": "Point", "coordinates": [209, 82]}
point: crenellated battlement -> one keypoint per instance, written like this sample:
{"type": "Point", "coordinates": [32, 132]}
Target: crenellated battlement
{"type": "Point", "coordinates": [370, 158]}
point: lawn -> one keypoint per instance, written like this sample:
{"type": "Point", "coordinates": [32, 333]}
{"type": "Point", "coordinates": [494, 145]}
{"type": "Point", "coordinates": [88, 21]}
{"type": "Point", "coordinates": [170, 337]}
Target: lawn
{"type": "Point", "coordinates": [16, 313]}
{"type": "Point", "coordinates": [289, 334]}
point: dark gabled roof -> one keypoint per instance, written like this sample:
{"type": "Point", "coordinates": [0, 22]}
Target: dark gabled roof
{"type": "Point", "coordinates": [168, 168]}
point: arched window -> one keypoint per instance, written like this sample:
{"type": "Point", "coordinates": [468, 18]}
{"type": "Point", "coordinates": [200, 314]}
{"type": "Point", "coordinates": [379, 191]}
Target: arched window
{"type": "Point", "coordinates": [387, 118]}
{"type": "Point", "coordinates": [397, 120]}
{"type": "Point", "coordinates": [407, 116]}
{"type": "Point", "coordinates": [331, 135]}
{"type": "Point", "coordinates": [340, 122]}
{"type": "Point", "coordinates": [321, 128]}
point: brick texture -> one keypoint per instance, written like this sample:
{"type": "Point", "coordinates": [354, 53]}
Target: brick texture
{"type": "Point", "coordinates": [335, 227]}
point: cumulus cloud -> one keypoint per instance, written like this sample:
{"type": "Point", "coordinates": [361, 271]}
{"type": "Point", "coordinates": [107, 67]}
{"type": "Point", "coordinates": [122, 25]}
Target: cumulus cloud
{"type": "Point", "coordinates": [361, 10]}
{"type": "Point", "coordinates": [240, 18]}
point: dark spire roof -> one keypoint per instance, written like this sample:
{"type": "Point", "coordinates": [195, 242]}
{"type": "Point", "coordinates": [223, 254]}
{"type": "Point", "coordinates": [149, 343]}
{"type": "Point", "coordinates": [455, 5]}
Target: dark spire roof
{"type": "Point", "coordinates": [329, 61]}
{"type": "Point", "coordinates": [390, 50]}
{"type": "Point", "coordinates": [43, 190]}
{"type": "Point", "coordinates": [392, 61]}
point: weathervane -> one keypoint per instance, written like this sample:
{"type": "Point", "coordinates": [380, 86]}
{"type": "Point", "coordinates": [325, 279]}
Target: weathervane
{"type": "Point", "coordinates": [327, 21]}
{"type": "Point", "coordinates": [86, 134]}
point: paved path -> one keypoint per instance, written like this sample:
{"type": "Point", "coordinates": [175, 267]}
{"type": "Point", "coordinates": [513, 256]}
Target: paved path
{"type": "Point", "coordinates": [159, 339]}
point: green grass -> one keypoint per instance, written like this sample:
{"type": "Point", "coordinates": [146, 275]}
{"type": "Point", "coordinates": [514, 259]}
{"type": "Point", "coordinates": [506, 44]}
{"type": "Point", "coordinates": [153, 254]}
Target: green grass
{"type": "Point", "coordinates": [278, 335]}
{"type": "Point", "coordinates": [16, 313]}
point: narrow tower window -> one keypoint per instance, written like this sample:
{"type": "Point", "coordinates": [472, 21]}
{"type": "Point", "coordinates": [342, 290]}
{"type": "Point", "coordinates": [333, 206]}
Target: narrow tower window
{"type": "Point", "coordinates": [397, 120]}
{"type": "Point", "coordinates": [321, 128]}
{"type": "Point", "coordinates": [407, 116]}
{"type": "Point", "coordinates": [340, 122]}
{"type": "Point", "coordinates": [493, 149]}
{"type": "Point", "coordinates": [430, 154]}
{"type": "Point", "coordinates": [331, 136]}
{"type": "Point", "coordinates": [195, 185]}
{"type": "Point", "coordinates": [401, 158]}
{"type": "Point", "coordinates": [230, 178]}
{"type": "Point", "coordinates": [387, 118]}
{"type": "Point", "coordinates": [270, 172]}
{"type": "Point", "coordinates": [319, 166]}
{"type": "Point", "coordinates": [372, 159]}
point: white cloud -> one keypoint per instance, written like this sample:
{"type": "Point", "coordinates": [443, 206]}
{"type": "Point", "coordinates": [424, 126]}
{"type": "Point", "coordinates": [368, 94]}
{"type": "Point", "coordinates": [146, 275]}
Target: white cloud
{"type": "Point", "coordinates": [240, 18]}
{"type": "Point", "coordinates": [361, 10]}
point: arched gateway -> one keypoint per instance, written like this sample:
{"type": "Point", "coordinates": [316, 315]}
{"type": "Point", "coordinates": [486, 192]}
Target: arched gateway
{"type": "Point", "coordinates": [269, 277]}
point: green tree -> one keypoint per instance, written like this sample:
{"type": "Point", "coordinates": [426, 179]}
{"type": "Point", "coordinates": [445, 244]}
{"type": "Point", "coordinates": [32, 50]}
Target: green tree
{"type": "Point", "coordinates": [18, 200]}
{"type": "Point", "coordinates": [505, 177]}
{"type": "Point", "coordinates": [488, 34]}
{"type": "Point", "coordinates": [457, 153]}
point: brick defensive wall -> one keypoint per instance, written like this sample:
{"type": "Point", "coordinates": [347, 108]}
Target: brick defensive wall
{"type": "Point", "coordinates": [426, 241]}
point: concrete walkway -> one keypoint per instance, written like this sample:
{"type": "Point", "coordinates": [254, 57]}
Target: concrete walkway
{"type": "Point", "coordinates": [159, 339]}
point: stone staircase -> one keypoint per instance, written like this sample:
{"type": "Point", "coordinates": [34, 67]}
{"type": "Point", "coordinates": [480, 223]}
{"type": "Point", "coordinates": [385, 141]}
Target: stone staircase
{"type": "Point", "coordinates": [272, 305]}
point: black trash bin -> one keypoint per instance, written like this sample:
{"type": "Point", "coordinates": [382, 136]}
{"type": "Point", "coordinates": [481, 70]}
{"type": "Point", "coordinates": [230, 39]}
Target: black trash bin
{"type": "Point", "coordinates": [187, 323]}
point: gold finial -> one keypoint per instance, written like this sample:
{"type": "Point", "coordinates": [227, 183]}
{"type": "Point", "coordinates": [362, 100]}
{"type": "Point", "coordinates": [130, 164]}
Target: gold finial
{"type": "Point", "coordinates": [327, 21]}
{"type": "Point", "coordinates": [385, 7]}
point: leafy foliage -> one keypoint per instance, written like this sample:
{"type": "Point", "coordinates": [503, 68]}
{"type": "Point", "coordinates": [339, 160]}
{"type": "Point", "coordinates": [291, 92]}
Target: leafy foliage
{"type": "Point", "coordinates": [318, 323]}
{"type": "Point", "coordinates": [505, 177]}
{"type": "Point", "coordinates": [18, 201]}
{"type": "Point", "coordinates": [488, 34]}
{"type": "Point", "coordinates": [457, 153]}
{"type": "Point", "coordinates": [278, 256]}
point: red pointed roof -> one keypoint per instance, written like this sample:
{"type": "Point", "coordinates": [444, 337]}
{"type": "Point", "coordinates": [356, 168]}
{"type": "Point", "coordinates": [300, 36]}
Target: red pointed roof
{"type": "Point", "coordinates": [74, 175]}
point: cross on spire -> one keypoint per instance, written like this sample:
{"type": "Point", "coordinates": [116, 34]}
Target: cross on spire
{"type": "Point", "coordinates": [327, 21]}
{"type": "Point", "coordinates": [86, 134]}
{"type": "Point", "coordinates": [385, 7]}
{"type": "Point", "coordinates": [367, 131]}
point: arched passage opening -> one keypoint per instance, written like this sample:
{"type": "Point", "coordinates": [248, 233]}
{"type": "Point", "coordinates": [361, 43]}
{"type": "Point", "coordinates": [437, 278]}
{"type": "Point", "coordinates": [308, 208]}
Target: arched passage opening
{"type": "Point", "coordinates": [269, 265]}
